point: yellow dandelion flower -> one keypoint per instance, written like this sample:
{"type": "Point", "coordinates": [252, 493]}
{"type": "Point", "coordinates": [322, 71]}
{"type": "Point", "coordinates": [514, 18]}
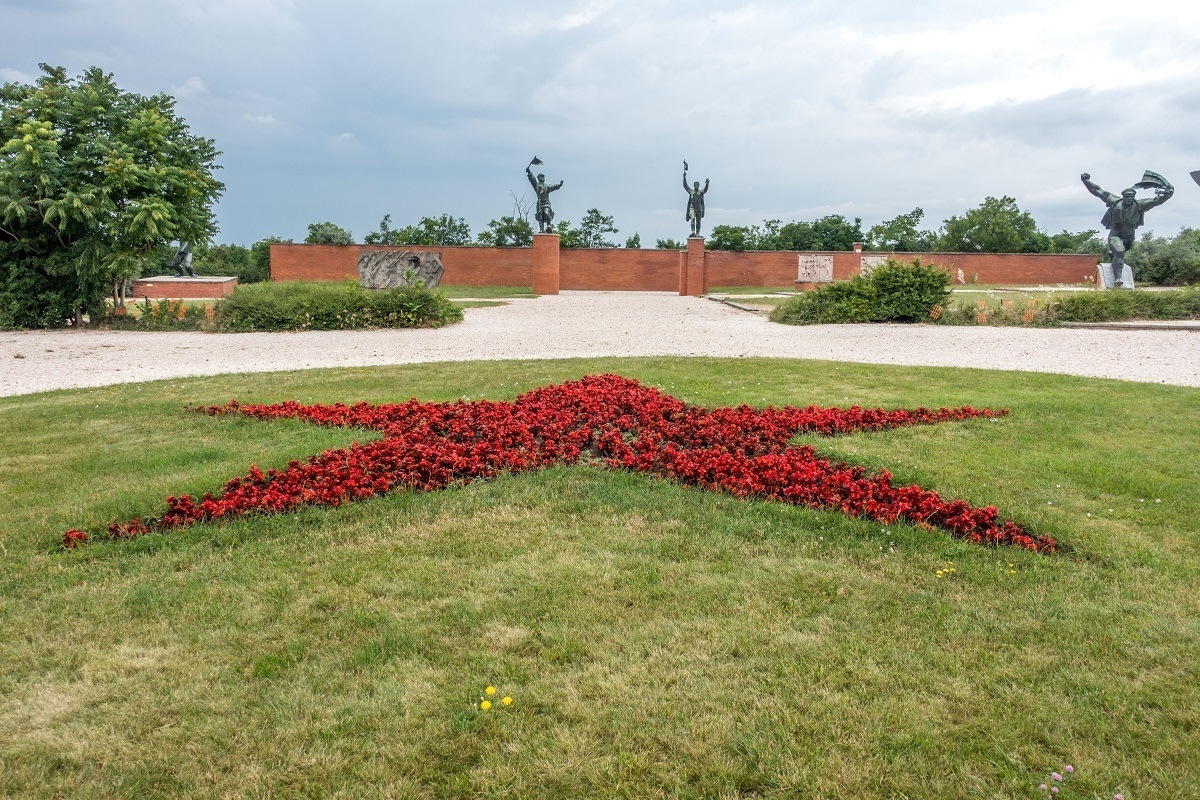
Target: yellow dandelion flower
{"type": "Point", "coordinates": [507, 701]}
{"type": "Point", "coordinates": [490, 690]}
{"type": "Point", "coordinates": [485, 705]}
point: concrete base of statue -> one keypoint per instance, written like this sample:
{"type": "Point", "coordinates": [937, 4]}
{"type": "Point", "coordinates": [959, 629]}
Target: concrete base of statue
{"type": "Point", "coordinates": [183, 287]}
{"type": "Point", "coordinates": [1106, 279]}
{"type": "Point", "coordinates": [545, 263]}
{"type": "Point", "coordinates": [693, 278]}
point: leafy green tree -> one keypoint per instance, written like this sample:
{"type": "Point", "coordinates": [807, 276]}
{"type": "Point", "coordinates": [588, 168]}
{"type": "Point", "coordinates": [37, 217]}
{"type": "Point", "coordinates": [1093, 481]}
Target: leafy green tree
{"type": "Point", "coordinates": [568, 237]}
{"type": "Point", "coordinates": [590, 233]}
{"type": "Point", "coordinates": [731, 237]}
{"type": "Point", "coordinates": [221, 259]}
{"type": "Point", "coordinates": [95, 180]}
{"type": "Point", "coordinates": [443, 231]}
{"type": "Point", "coordinates": [593, 229]}
{"type": "Point", "coordinates": [792, 236]}
{"type": "Point", "coordinates": [260, 259]}
{"type": "Point", "coordinates": [507, 232]}
{"type": "Point", "coordinates": [633, 242]}
{"type": "Point", "coordinates": [1085, 242]}
{"type": "Point", "coordinates": [901, 234]}
{"type": "Point", "coordinates": [835, 232]}
{"type": "Point", "coordinates": [248, 264]}
{"type": "Point", "coordinates": [385, 233]}
{"type": "Point", "coordinates": [1167, 262]}
{"type": "Point", "coordinates": [328, 233]}
{"type": "Point", "coordinates": [669, 244]}
{"type": "Point", "coordinates": [998, 225]}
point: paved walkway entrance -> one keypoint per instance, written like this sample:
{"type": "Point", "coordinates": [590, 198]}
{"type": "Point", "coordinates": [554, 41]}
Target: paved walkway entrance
{"type": "Point", "coordinates": [581, 324]}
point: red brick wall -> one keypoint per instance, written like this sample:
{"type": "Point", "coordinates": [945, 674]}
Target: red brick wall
{"type": "Point", "coordinates": [465, 266]}
{"type": "Point", "coordinates": [620, 270]}
{"type": "Point", "coordinates": [175, 290]}
{"type": "Point", "coordinates": [769, 268]}
{"type": "Point", "coordinates": [1009, 268]}
{"type": "Point", "coordinates": [658, 270]}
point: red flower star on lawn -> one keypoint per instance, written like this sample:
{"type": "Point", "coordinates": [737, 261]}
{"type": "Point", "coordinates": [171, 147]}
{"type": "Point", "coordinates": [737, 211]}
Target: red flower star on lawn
{"type": "Point", "coordinates": [613, 420]}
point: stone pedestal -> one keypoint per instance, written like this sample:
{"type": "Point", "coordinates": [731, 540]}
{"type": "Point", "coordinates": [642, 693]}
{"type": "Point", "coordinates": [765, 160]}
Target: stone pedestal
{"type": "Point", "coordinates": [693, 280]}
{"type": "Point", "coordinates": [1107, 279]}
{"type": "Point", "coordinates": [171, 287]}
{"type": "Point", "coordinates": [545, 263]}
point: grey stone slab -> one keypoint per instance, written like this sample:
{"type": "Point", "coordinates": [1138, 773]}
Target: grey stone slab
{"type": "Point", "coordinates": [399, 269]}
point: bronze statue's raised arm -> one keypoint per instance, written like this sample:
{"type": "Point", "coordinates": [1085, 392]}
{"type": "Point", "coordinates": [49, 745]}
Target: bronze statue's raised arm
{"type": "Point", "coordinates": [555, 187]}
{"type": "Point", "coordinates": [686, 188]}
{"type": "Point", "coordinates": [529, 174]}
{"type": "Point", "coordinates": [1106, 196]}
{"type": "Point", "coordinates": [705, 187]}
{"type": "Point", "coordinates": [1160, 196]}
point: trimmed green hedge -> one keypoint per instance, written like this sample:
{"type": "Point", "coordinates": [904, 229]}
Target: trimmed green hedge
{"type": "Point", "coordinates": [295, 307]}
{"type": "Point", "coordinates": [894, 292]}
{"type": "Point", "coordinates": [331, 307]}
{"type": "Point", "coordinates": [1120, 305]}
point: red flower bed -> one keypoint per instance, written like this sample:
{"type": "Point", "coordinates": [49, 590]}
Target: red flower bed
{"type": "Point", "coordinates": [606, 418]}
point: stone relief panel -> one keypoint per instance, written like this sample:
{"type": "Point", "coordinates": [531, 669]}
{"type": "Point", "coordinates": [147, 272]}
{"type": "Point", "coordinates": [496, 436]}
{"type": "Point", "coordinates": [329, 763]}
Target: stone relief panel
{"type": "Point", "coordinates": [815, 268]}
{"type": "Point", "coordinates": [869, 263]}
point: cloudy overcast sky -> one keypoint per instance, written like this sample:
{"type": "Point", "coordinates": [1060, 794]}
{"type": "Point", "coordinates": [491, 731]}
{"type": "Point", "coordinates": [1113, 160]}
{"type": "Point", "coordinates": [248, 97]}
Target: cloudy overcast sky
{"type": "Point", "coordinates": [794, 110]}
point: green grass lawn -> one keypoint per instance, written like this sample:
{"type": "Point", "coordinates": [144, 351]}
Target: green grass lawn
{"type": "Point", "coordinates": [657, 641]}
{"type": "Point", "coordinates": [478, 303]}
{"type": "Point", "coordinates": [790, 289]}
{"type": "Point", "coordinates": [486, 292]}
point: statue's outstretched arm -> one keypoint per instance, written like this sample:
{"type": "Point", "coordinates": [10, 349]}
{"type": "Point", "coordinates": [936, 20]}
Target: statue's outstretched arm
{"type": "Point", "coordinates": [556, 186]}
{"type": "Point", "coordinates": [705, 186]}
{"type": "Point", "coordinates": [529, 174]}
{"type": "Point", "coordinates": [1161, 196]}
{"type": "Point", "coordinates": [686, 188]}
{"type": "Point", "coordinates": [1107, 197]}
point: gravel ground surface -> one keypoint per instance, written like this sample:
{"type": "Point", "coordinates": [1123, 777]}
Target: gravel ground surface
{"type": "Point", "coordinates": [583, 324]}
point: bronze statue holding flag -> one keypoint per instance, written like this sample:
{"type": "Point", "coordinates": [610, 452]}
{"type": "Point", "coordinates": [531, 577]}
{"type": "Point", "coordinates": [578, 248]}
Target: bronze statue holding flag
{"type": "Point", "coordinates": [1124, 216]}
{"type": "Point", "coordinates": [544, 214]}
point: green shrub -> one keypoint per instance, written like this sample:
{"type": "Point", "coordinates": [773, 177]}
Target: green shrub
{"type": "Point", "coordinates": [1167, 262]}
{"type": "Point", "coordinates": [1117, 306]}
{"type": "Point", "coordinates": [908, 292]}
{"type": "Point", "coordinates": [331, 306]}
{"type": "Point", "coordinates": [894, 292]}
{"type": "Point", "coordinates": [31, 295]}
{"type": "Point", "coordinates": [846, 301]}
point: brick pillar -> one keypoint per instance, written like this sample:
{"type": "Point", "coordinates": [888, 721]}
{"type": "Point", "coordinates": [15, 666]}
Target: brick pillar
{"type": "Point", "coordinates": [683, 261]}
{"type": "Point", "coordinates": [545, 263]}
{"type": "Point", "coordinates": [692, 277]}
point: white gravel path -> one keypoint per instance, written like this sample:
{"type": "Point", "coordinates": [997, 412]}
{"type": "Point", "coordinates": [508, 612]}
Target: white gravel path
{"type": "Point", "coordinates": [591, 324]}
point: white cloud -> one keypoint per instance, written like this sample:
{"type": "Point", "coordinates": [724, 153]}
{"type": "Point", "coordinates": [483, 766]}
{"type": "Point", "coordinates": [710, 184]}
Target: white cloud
{"type": "Point", "coordinates": [261, 119]}
{"type": "Point", "coordinates": [14, 76]}
{"type": "Point", "coordinates": [192, 87]}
